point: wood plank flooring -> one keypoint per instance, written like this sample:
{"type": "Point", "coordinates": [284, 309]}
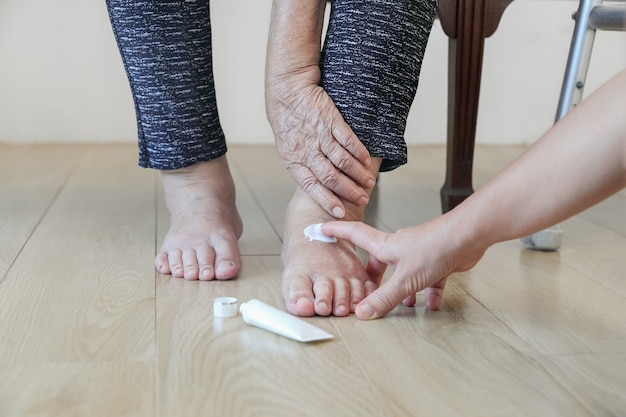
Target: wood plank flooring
{"type": "Point", "coordinates": [87, 328]}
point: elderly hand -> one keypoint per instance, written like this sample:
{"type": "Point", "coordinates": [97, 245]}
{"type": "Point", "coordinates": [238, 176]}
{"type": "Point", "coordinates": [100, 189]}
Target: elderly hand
{"type": "Point", "coordinates": [316, 145]}
{"type": "Point", "coordinates": [319, 149]}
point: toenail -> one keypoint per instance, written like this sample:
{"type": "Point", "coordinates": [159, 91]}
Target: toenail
{"type": "Point", "coordinates": [225, 265]}
{"type": "Point", "coordinates": [341, 310]}
{"type": "Point", "coordinates": [303, 301]}
{"type": "Point", "coordinates": [322, 306]}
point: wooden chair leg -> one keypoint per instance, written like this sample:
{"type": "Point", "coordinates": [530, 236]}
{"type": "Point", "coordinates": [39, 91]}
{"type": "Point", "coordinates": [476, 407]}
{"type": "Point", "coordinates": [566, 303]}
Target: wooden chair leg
{"type": "Point", "coordinates": [465, 61]}
{"type": "Point", "coordinates": [467, 23]}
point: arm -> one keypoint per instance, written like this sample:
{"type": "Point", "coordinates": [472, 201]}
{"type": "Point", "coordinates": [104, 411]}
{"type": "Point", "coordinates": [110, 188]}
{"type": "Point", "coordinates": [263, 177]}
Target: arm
{"type": "Point", "coordinates": [314, 142]}
{"type": "Point", "coordinates": [575, 165]}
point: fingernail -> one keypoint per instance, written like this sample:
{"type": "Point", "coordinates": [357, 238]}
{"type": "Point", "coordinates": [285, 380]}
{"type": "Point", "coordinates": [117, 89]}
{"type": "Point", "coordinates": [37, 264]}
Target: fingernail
{"type": "Point", "coordinates": [371, 183]}
{"type": "Point", "coordinates": [363, 201]}
{"type": "Point", "coordinates": [365, 312]}
{"type": "Point", "coordinates": [338, 212]}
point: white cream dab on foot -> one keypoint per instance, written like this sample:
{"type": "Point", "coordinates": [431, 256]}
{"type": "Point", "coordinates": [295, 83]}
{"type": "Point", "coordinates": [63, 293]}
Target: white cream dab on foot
{"type": "Point", "coordinates": [314, 232]}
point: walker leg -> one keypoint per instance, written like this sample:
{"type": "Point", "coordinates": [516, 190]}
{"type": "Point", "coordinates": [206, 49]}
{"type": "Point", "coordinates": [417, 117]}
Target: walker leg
{"type": "Point", "coordinates": [571, 94]}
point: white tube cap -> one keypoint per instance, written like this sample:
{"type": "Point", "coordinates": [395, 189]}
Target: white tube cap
{"type": "Point", "coordinates": [314, 232]}
{"type": "Point", "coordinates": [225, 307]}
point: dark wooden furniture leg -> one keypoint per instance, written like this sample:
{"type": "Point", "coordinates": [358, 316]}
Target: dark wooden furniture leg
{"type": "Point", "coordinates": [467, 23]}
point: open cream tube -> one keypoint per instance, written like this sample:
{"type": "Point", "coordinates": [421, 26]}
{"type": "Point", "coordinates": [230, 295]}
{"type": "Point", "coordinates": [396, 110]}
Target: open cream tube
{"type": "Point", "coordinates": [259, 314]}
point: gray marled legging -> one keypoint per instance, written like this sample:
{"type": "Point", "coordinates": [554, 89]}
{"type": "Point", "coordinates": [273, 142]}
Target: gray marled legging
{"type": "Point", "coordinates": [370, 67]}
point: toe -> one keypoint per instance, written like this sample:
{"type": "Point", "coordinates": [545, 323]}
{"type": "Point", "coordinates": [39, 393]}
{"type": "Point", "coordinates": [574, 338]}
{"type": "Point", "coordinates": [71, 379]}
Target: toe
{"type": "Point", "coordinates": [298, 295]}
{"type": "Point", "coordinates": [190, 264]}
{"type": "Point", "coordinates": [341, 297]}
{"type": "Point", "coordinates": [369, 287]}
{"type": "Point", "coordinates": [226, 258]}
{"type": "Point", "coordinates": [357, 293]}
{"type": "Point", "coordinates": [226, 269]}
{"type": "Point", "coordinates": [323, 290]}
{"type": "Point", "coordinates": [175, 259]}
{"type": "Point", "coordinates": [206, 262]}
{"type": "Point", "coordinates": [162, 264]}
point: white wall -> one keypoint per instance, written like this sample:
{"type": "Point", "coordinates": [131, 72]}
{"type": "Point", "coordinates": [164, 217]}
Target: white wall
{"type": "Point", "coordinates": [62, 80]}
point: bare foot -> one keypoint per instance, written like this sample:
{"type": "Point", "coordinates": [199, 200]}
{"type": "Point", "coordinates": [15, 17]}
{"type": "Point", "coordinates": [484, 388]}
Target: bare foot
{"type": "Point", "coordinates": [321, 278]}
{"type": "Point", "coordinates": [201, 242]}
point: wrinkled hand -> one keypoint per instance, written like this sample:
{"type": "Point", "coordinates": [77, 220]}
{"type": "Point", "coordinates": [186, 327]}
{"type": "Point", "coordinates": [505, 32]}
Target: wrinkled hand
{"type": "Point", "coordinates": [422, 257]}
{"type": "Point", "coordinates": [319, 149]}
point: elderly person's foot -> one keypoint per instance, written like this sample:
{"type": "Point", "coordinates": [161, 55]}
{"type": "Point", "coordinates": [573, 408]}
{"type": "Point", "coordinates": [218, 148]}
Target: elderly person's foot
{"type": "Point", "coordinates": [321, 278]}
{"type": "Point", "coordinates": [205, 226]}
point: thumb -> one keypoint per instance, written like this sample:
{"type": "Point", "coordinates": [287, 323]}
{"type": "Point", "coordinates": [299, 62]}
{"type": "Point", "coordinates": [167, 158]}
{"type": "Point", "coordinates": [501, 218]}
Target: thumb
{"type": "Point", "coordinates": [384, 299]}
{"type": "Point", "coordinates": [375, 269]}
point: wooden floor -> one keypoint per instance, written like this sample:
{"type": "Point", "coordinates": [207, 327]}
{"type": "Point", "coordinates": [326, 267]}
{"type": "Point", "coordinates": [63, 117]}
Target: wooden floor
{"type": "Point", "coordinates": [87, 328]}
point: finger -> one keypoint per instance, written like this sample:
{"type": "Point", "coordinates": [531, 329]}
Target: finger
{"type": "Point", "coordinates": [325, 198]}
{"type": "Point", "coordinates": [345, 136]}
{"type": "Point", "coordinates": [360, 234]}
{"type": "Point", "coordinates": [434, 295]}
{"type": "Point", "coordinates": [375, 269]}
{"type": "Point", "coordinates": [410, 300]}
{"type": "Point", "coordinates": [348, 164]}
{"type": "Point", "coordinates": [383, 300]}
{"type": "Point", "coordinates": [335, 180]}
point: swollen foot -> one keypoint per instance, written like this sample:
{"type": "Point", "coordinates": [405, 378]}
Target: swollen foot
{"type": "Point", "coordinates": [320, 277]}
{"type": "Point", "coordinates": [205, 226]}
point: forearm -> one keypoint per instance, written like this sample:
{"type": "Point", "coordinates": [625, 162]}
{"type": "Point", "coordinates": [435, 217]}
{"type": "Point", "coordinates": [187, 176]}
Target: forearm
{"type": "Point", "coordinates": [294, 43]}
{"type": "Point", "coordinates": [576, 164]}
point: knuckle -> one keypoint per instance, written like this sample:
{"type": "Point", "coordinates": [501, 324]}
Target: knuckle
{"type": "Point", "coordinates": [411, 284]}
{"type": "Point", "coordinates": [344, 163]}
{"type": "Point", "coordinates": [308, 183]}
{"type": "Point", "coordinates": [384, 300]}
{"type": "Point", "coordinates": [331, 179]}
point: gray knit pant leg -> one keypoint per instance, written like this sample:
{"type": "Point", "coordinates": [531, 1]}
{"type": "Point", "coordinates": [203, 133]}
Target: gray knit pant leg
{"type": "Point", "coordinates": [370, 67]}
{"type": "Point", "coordinates": [166, 50]}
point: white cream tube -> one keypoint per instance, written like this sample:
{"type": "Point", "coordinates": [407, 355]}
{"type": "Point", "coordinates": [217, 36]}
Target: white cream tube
{"type": "Point", "coordinates": [262, 315]}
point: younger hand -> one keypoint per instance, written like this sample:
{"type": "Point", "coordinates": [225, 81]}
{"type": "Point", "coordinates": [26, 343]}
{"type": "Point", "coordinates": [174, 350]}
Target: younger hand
{"type": "Point", "coordinates": [422, 257]}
